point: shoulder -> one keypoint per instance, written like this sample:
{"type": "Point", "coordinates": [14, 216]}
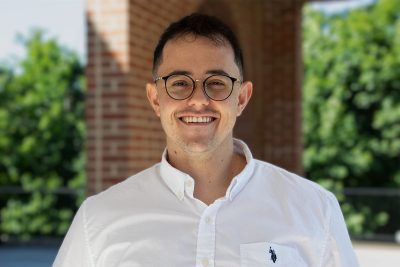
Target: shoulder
{"type": "Point", "coordinates": [294, 188]}
{"type": "Point", "coordinates": [128, 192]}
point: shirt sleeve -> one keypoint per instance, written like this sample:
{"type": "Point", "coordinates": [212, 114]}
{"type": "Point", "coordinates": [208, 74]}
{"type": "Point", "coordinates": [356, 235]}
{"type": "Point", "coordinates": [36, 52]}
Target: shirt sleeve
{"type": "Point", "coordinates": [74, 251]}
{"type": "Point", "coordinates": [338, 250]}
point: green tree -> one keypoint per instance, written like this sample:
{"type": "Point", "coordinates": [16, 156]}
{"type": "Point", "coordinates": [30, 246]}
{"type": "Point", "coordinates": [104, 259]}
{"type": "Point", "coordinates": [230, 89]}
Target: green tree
{"type": "Point", "coordinates": [41, 138]}
{"type": "Point", "coordinates": [351, 104]}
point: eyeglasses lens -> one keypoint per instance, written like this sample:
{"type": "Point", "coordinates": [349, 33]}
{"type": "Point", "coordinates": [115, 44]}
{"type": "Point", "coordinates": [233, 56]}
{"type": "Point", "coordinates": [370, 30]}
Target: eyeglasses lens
{"type": "Point", "coordinates": [179, 86]}
{"type": "Point", "coordinates": [218, 87]}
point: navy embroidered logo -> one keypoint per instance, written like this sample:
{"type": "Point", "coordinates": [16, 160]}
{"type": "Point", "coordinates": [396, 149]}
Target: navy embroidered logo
{"type": "Point", "coordinates": [273, 254]}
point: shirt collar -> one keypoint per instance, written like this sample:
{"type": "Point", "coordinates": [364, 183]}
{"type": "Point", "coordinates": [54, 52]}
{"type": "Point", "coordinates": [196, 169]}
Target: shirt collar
{"type": "Point", "coordinates": [179, 182]}
{"type": "Point", "coordinates": [174, 178]}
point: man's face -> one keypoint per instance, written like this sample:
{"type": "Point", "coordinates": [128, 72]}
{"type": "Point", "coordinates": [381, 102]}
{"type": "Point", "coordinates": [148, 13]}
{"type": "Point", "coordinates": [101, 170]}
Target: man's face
{"type": "Point", "coordinates": [198, 123]}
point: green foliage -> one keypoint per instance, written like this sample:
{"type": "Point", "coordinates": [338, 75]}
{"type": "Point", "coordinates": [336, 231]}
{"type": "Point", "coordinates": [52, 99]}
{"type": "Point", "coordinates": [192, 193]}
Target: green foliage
{"type": "Point", "coordinates": [41, 138]}
{"type": "Point", "coordinates": [351, 103]}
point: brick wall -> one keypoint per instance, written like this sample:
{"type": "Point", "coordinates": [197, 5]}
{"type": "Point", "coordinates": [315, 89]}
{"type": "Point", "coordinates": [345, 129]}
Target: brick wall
{"type": "Point", "coordinates": [124, 136]}
{"type": "Point", "coordinates": [282, 85]}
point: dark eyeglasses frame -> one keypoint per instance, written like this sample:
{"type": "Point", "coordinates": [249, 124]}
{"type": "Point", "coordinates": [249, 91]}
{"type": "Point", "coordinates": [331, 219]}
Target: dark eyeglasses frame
{"type": "Point", "coordinates": [165, 78]}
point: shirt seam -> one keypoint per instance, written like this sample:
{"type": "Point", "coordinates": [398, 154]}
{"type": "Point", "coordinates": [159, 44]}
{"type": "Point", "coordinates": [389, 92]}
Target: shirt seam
{"type": "Point", "coordinates": [86, 236]}
{"type": "Point", "coordinates": [327, 232]}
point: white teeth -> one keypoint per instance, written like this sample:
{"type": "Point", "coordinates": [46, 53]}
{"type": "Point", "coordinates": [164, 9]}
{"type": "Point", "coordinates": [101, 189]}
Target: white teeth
{"type": "Point", "coordinates": [196, 119]}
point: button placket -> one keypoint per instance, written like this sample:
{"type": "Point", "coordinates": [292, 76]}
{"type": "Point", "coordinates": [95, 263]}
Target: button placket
{"type": "Point", "coordinates": [206, 236]}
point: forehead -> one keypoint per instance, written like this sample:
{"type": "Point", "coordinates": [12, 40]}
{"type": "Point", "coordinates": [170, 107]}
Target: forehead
{"type": "Point", "coordinates": [197, 53]}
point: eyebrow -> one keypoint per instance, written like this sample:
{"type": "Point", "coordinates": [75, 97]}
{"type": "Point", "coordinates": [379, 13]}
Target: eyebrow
{"type": "Point", "coordinates": [179, 72]}
{"type": "Point", "coordinates": [212, 72]}
{"type": "Point", "coordinates": [217, 72]}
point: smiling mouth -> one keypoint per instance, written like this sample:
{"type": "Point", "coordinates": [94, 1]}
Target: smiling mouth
{"type": "Point", "coordinates": [197, 120]}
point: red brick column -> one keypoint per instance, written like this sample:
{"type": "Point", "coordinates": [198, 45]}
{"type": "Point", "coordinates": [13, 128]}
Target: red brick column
{"type": "Point", "coordinates": [271, 37]}
{"type": "Point", "coordinates": [282, 66]}
{"type": "Point", "coordinates": [124, 136]}
{"type": "Point", "coordinates": [108, 92]}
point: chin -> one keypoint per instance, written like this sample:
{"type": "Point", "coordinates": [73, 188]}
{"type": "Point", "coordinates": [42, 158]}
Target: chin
{"type": "Point", "coordinates": [197, 146]}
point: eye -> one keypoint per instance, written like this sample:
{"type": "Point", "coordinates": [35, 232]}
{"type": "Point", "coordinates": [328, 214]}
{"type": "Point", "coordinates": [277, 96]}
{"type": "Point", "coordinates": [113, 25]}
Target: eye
{"type": "Point", "coordinates": [180, 83]}
{"type": "Point", "coordinates": [216, 84]}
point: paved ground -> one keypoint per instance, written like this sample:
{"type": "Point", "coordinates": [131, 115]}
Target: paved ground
{"type": "Point", "coordinates": [27, 256]}
{"type": "Point", "coordinates": [377, 254]}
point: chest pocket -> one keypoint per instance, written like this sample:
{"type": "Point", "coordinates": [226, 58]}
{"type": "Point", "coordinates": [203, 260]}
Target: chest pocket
{"type": "Point", "coordinates": [265, 254]}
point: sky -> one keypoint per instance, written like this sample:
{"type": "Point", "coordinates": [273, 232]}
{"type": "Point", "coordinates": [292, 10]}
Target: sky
{"type": "Point", "coordinates": [64, 20]}
{"type": "Point", "coordinates": [330, 6]}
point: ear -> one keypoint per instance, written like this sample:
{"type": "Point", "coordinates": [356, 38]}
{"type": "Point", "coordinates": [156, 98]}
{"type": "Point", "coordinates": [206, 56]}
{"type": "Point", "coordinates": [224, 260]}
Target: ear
{"type": "Point", "coordinates": [246, 90]}
{"type": "Point", "coordinates": [152, 96]}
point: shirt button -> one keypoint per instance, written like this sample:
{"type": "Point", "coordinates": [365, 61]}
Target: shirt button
{"type": "Point", "coordinates": [209, 220]}
{"type": "Point", "coordinates": [180, 195]}
{"type": "Point", "coordinates": [189, 183]}
{"type": "Point", "coordinates": [205, 262]}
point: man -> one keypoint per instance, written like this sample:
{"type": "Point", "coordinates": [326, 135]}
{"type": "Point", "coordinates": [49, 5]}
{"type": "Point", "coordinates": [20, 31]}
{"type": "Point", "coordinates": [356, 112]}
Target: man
{"type": "Point", "coordinates": [208, 202]}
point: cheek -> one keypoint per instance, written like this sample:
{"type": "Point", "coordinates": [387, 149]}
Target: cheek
{"type": "Point", "coordinates": [166, 122]}
{"type": "Point", "coordinates": [231, 113]}
{"type": "Point", "coordinates": [234, 108]}
{"type": "Point", "coordinates": [164, 105]}
{"type": "Point", "coordinates": [166, 114]}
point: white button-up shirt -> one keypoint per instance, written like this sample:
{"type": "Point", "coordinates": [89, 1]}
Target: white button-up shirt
{"type": "Point", "coordinates": [268, 217]}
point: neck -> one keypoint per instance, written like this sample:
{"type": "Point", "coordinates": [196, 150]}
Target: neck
{"type": "Point", "coordinates": [211, 170]}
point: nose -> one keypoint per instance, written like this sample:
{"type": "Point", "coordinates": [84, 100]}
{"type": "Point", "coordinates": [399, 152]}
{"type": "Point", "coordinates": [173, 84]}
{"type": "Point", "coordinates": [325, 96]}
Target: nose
{"type": "Point", "coordinates": [198, 98]}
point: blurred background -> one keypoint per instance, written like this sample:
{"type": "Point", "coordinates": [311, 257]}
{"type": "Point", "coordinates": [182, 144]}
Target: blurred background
{"type": "Point", "coordinates": [350, 122]}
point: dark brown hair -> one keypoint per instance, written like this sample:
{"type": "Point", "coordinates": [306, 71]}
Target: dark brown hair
{"type": "Point", "coordinates": [199, 25]}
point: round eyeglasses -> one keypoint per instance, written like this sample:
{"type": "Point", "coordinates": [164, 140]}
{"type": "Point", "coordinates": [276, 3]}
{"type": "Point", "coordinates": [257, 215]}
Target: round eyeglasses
{"type": "Point", "coordinates": [181, 86]}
